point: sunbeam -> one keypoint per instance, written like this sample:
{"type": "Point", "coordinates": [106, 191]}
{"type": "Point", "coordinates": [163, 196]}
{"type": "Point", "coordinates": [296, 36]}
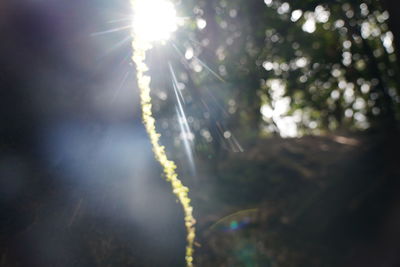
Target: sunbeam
{"type": "Point", "coordinates": [183, 123]}
{"type": "Point", "coordinates": [187, 141]}
{"type": "Point", "coordinates": [116, 92]}
{"type": "Point", "coordinates": [201, 63]}
{"type": "Point", "coordinates": [175, 82]}
{"type": "Point", "coordinates": [126, 27]}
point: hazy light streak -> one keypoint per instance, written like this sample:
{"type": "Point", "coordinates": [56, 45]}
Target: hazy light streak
{"type": "Point", "coordinates": [112, 30]}
{"type": "Point", "coordinates": [181, 111]}
{"type": "Point", "coordinates": [217, 102]}
{"type": "Point", "coordinates": [175, 82]}
{"type": "Point", "coordinates": [120, 86]}
{"type": "Point", "coordinates": [209, 69]}
{"type": "Point", "coordinates": [119, 44]}
{"type": "Point", "coordinates": [119, 20]}
{"type": "Point", "coordinates": [236, 143]}
{"type": "Point", "coordinates": [201, 63]}
{"type": "Point", "coordinates": [187, 143]}
{"type": "Point", "coordinates": [183, 123]}
{"type": "Point", "coordinates": [232, 142]}
{"type": "Point", "coordinates": [184, 62]}
{"type": "Point", "coordinates": [75, 213]}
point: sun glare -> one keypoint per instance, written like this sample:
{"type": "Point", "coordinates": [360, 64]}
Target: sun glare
{"type": "Point", "coordinates": [154, 20]}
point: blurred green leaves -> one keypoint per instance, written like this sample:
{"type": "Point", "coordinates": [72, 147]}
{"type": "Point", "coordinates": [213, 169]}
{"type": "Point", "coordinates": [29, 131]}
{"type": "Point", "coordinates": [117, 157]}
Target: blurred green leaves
{"type": "Point", "coordinates": [290, 68]}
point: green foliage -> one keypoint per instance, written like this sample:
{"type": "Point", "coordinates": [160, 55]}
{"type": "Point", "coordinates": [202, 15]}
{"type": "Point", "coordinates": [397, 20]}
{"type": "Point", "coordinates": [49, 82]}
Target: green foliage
{"type": "Point", "coordinates": [289, 68]}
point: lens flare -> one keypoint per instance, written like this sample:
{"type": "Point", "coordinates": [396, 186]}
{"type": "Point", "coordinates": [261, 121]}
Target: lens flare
{"type": "Point", "coordinates": [154, 20]}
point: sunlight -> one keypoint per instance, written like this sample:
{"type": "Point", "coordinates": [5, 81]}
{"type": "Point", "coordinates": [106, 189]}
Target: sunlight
{"type": "Point", "coordinates": [154, 20]}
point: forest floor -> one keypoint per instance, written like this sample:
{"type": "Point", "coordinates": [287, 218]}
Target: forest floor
{"type": "Point", "coordinates": [312, 201]}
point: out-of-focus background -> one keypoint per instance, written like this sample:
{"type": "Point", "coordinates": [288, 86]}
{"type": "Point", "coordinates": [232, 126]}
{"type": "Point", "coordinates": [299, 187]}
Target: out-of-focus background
{"type": "Point", "coordinates": [287, 137]}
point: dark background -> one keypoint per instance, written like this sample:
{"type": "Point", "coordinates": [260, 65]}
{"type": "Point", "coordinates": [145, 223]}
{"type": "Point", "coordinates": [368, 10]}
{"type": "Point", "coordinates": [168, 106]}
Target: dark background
{"type": "Point", "coordinates": [79, 185]}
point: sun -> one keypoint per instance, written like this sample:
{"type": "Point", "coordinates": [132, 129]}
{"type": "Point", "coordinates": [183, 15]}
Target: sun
{"type": "Point", "coordinates": [154, 20]}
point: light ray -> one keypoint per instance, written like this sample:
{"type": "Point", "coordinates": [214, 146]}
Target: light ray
{"type": "Point", "coordinates": [119, 44]}
{"type": "Point", "coordinates": [181, 112]}
{"type": "Point", "coordinates": [217, 102]}
{"type": "Point", "coordinates": [209, 69]}
{"type": "Point", "coordinates": [229, 139]}
{"type": "Point", "coordinates": [128, 18]}
{"type": "Point", "coordinates": [201, 63]}
{"type": "Point", "coordinates": [231, 142]}
{"type": "Point", "coordinates": [175, 82]}
{"type": "Point", "coordinates": [120, 86]}
{"type": "Point", "coordinates": [112, 30]}
{"type": "Point", "coordinates": [183, 122]}
{"type": "Point", "coordinates": [187, 143]}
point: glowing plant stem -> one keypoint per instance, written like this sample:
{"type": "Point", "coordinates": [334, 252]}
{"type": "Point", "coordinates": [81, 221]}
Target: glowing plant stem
{"type": "Point", "coordinates": [140, 46]}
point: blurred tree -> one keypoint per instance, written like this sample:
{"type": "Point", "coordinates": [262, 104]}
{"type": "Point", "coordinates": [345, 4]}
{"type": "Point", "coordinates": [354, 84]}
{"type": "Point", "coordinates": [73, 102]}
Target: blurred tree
{"type": "Point", "coordinates": [293, 68]}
